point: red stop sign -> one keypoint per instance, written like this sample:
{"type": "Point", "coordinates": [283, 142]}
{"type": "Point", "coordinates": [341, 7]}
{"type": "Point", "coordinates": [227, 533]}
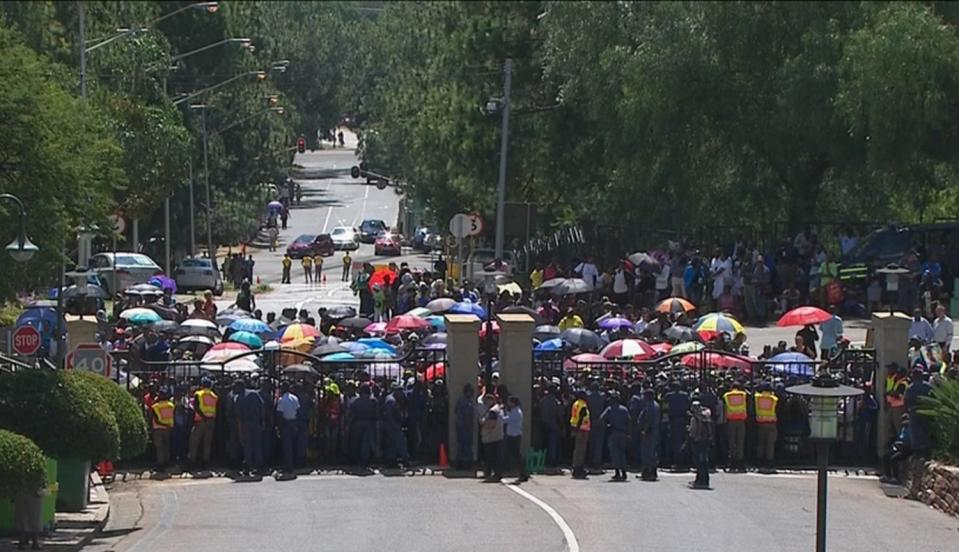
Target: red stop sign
{"type": "Point", "coordinates": [26, 340]}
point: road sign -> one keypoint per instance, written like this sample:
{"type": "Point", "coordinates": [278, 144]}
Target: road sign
{"type": "Point", "coordinates": [26, 341]}
{"type": "Point", "coordinates": [119, 224]}
{"type": "Point", "coordinates": [475, 224]}
{"type": "Point", "coordinates": [460, 225]}
{"type": "Point", "coordinates": [91, 357]}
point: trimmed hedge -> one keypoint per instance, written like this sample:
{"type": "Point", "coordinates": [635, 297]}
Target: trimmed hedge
{"type": "Point", "coordinates": [65, 416]}
{"type": "Point", "coordinates": [22, 465]}
{"type": "Point", "coordinates": [130, 420]}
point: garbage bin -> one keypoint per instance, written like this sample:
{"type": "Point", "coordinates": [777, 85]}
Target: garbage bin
{"type": "Point", "coordinates": [50, 500]}
{"type": "Point", "coordinates": [73, 477]}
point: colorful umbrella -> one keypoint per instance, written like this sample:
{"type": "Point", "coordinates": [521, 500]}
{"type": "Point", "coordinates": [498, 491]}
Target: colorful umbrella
{"type": "Point", "coordinates": [802, 316]}
{"type": "Point", "coordinates": [636, 349]}
{"type": "Point", "coordinates": [338, 357]}
{"type": "Point", "coordinates": [375, 328]}
{"type": "Point", "coordinates": [140, 316]}
{"type": "Point", "coordinates": [687, 347]}
{"type": "Point", "coordinates": [251, 325]}
{"type": "Point", "coordinates": [249, 339]}
{"type": "Point", "coordinates": [406, 322]}
{"type": "Point", "coordinates": [295, 335]}
{"type": "Point", "coordinates": [792, 363]}
{"type": "Point", "coordinates": [615, 323]}
{"type": "Point", "coordinates": [375, 354]}
{"type": "Point", "coordinates": [421, 312]}
{"type": "Point", "coordinates": [718, 360]}
{"type": "Point", "coordinates": [717, 323]}
{"type": "Point", "coordinates": [163, 281]}
{"type": "Point", "coordinates": [675, 305]}
{"type": "Point", "coordinates": [467, 307]}
{"type": "Point", "coordinates": [583, 339]}
{"type": "Point", "coordinates": [381, 277]}
{"type": "Point", "coordinates": [435, 370]}
{"type": "Point", "coordinates": [230, 346]}
{"type": "Point", "coordinates": [443, 304]}
{"type": "Point", "coordinates": [483, 326]}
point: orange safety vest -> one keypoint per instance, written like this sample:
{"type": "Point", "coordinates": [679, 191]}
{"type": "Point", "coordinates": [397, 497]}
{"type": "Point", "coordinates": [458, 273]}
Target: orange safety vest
{"type": "Point", "coordinates": [578, 406]}
{"type": "Point", "coordinates": [766, 408]}
{"type": "Point", "coordinates": [735, 402]}
{"type": "Point", "coordinates": [206, 405]}
{"type": "Point", "coordinates": [892, 382]}
{"type": "Point", "coordinates": [162, 414]}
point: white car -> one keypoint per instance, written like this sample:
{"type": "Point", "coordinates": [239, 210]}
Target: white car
{"type": "Point", "coordinates": [198, 274]}
{"type": "Point", "coordinates": [131, 269]}
{"type": "Point", "coordinates": [345, 238]}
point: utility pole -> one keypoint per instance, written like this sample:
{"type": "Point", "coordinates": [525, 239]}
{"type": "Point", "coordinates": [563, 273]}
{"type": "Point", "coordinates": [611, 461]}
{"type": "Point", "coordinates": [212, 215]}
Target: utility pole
{"type": "Point", "coordinates": [83, 50]}
{"type": "Point", "coordinates": [504, 147]}
{"type": "Point", "coordinates": [209, 207]}
{"type": "Point", "coordinates": [192, 216]}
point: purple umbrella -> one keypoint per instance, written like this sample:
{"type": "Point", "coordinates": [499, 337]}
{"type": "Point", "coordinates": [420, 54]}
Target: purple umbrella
{"type": "Point", "coordinates": [274, 206]}
{"type": "Point", "coordinates": [615, 323]}
{"type": "Point", "coordinates": [163, 281]}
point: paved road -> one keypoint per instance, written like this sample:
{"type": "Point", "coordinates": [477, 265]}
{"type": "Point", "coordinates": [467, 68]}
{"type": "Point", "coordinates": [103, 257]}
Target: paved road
{"type": "Point", "coordinates": [431, 513]}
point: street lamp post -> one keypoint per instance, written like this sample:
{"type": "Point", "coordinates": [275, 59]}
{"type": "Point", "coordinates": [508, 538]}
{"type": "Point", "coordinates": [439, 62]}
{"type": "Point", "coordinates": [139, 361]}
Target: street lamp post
{"type": "Point", "coordinates": [823, 393]}
{"type": "Point", "coordinates": [489, 289]}
{"type": "Point", "coordinates": [503, 149]}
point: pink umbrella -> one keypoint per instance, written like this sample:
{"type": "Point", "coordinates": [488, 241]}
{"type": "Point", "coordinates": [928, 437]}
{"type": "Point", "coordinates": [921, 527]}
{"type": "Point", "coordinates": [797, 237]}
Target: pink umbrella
{"type": "Point", "coordinates": [716, 360]}
{"type": "Point", "coordinates": [482, 330]}
{"type": "Point", "coordinates": [376, 328]}
{"type": "Point", "coordinates": [574, 362]}
{"type": "Point", "coordinates": [635, 349]}
{"type": "Point", "coordinates": [662, 348]}
{"type": "Point", "coordinates": [229, 346]}
{"type": "Point", "coordinates": [406, 322]}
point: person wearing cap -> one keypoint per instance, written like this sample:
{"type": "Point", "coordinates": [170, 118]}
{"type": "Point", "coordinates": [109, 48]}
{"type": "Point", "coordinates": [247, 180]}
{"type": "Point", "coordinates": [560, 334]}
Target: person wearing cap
{"type": "Point", "coordinates": [580, 426]}
{"type": "Point", "coordinates": [616, 419]}
{"type": "Point", "coordinates": [204, 419]}
{"type": "Point", "coordinates": [701, 434]}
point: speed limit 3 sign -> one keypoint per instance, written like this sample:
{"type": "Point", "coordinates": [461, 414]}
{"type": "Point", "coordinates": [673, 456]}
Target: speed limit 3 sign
{"type": "Point", "coordinates": [90, 357]}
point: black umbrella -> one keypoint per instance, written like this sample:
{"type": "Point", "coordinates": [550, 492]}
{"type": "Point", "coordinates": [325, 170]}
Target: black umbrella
{"type": "Point", "coordinates": [546, 332]}
{"type": "Point", "coordinates": [586, 340]}
{"type": "Point", "coordinates": [644, 262]}
{"type": "Point", "coordinates": [520, 309]}
{"type": "Point", "coordinates": [329, 349]}
{"type": "Point", "coordinates": [301, 370]}
{"type": "Point", "coordinates": [439, 337]}
{"type": "Point", "coordinates": [572, 286]}
{"type": "Point", "coordinates": [355, 323]}
{"type": "Point", "coordinates": [164, 326]}
{"type": "Point", "coordinates": [341, 312]}
{"type": "Point", "coordinates": [90, 291]}
{"type": "Point", "coordinates": [681, 334]}
{"type": "Point", "coordinates": [166, 313]}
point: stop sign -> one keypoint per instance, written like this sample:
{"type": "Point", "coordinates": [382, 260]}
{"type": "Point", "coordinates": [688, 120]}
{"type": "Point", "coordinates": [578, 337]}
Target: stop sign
{"type": "Point", "coordinates": [26, 341]}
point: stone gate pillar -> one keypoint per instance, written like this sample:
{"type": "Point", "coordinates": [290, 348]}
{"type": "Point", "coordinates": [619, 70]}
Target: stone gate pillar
{"type": "Point", "coordinates": [516, 364]}
{"type": "Point", "coordinates": [891, 340]}
{"type": "Point", "coordinates": [462, 359]}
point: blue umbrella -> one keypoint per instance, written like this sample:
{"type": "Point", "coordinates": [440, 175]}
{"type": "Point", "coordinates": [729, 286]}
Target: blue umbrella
{"type": "Point", "coordinates": [467, 307]}
{"type": "Point", "coordinates": [39, 318]}
{"type": "Point", "coordinates": [434, 346]}
{"type": "Point", "coordinates": [338, 357]}
{"type": "Point", "coordinates": [437, 322]}
{"type": "Point", "coordinates": [251, 325]}
{"type": "Point", "coordinates": [354, 347]}
{"type": "Point", "coordinates": [249, 339]}
{"type": "Point", "coordinates": [791, 363]}
{"type": "Point", "coordinates": [555, 344]}
{"type": "Point", "coordinates": [377, 344]}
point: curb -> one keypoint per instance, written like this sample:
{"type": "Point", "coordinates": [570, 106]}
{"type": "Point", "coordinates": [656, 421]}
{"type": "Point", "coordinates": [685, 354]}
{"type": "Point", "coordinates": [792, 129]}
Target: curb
{"type": "Point", "coordinates": [102, 513]}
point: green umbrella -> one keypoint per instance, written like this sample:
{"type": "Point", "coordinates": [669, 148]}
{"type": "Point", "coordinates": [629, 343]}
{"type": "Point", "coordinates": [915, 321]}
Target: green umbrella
{"type": "Point", "coordinates": [140, 316]}
{"type": "Point", "coordinates": [249, 339]}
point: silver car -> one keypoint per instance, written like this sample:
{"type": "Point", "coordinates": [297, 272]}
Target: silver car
{"type": "Point", "coordinates": [198, 274]}
{"type": "Point", "coordinates": [345, 238]}
{"type": "Point", "coordinates": [131, 269]}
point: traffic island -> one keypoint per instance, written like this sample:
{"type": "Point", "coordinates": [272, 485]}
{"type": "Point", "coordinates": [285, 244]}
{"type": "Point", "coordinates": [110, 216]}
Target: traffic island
{"type": "Point", "coordinates": [937, 485]}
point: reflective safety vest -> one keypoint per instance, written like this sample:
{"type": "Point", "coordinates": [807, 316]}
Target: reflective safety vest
{"type": "Point", "coordinates": [162, 414]}
{"type": "Point", "coordinates": [897, 386]}
{"type": "Point", "coordinates": [735, 402]}
{"type": "Point", "coordinates": [205, 405]}
{"type": "Point", "coordinates": [579, 406]}
{"type": "Point", "coordinates": [766, 408]}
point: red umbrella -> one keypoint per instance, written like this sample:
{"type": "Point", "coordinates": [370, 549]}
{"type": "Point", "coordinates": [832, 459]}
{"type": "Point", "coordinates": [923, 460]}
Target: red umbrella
{"type": "Point", "coordinates": [380, 277]}
{"type": "Point", "coordinates": [229, 346]}
{"type": "Point", "coordinates": [482, 330]}
{"type": "Point", "coordinates": [716, 360]}
{"type": "Point", "coordinates": [435, 370]}
{"type": "Point", "coordinates": [662, 348]}
{"type": "Point", "coordinates": [573, 362]}
{"type": "Point", "coordinates": [802, 316]}
{"type": "Point", "coordinates": [637, 349]}
{"type": "Point", "coordinates": [406, 322]}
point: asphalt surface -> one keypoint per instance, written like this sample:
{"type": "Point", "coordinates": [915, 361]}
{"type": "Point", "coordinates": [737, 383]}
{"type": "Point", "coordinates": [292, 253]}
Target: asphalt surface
{"type": "Point", "coordinates": [742, 513]}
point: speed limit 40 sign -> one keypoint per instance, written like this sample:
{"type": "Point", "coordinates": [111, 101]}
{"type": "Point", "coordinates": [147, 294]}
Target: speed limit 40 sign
{"type": "Point", "coordinates": [90, 357]}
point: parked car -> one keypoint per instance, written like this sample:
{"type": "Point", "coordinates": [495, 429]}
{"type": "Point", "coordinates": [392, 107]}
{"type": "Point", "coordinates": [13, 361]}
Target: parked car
{"type": "Point", "coordinates": [388, 244]}
{"type": "Point", "coordinates": [345, 238]}
{"type": "Point", "coordinates": [426, 239]}
{"type": "Point", "coordinates": [131, 269]}
{"type": "Point", "coordinates": [371, 229]}
{"type": "Point", "coordinates": [198, 274]}
{"type": "Point", "coordinates": [479, 259]}
{"type": "Point", "coordinates": [311, 244]}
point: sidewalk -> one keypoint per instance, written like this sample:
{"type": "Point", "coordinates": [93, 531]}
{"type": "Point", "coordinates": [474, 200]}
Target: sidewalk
{"type": "Point", "coordinates": [74, 530]}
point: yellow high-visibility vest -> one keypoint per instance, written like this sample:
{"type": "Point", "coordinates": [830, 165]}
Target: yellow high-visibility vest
{"type": "Point", "coordinates": [735, 402]}
{"type": "Point", "coordinates": [206, 404]}
{"type": "Point", "coordinates": [578, 407]}
{"type": "Point", "coordinates": [162, 414]}
{"type": "Point", "coordinates": [766, 408]}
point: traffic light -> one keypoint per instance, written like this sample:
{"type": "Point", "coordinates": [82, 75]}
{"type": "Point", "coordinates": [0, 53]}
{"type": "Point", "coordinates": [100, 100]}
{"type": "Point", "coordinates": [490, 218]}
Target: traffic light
{"type": "Point", "coordinates": [301, 144]}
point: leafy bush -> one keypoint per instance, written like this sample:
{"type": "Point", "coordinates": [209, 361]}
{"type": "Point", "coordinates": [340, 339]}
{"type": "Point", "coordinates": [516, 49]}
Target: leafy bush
{"type": "Point", "coordinates": [65, 416]}
{"type": "Point", "coordinates": [130, 420]}
{"type": "Point", "coordinates": [22, 465]}
{"type": "Point", "coordinates": [943, 408]}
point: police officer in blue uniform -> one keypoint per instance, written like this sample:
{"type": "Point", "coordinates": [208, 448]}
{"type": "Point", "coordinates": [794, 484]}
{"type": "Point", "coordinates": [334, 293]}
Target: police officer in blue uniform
{"type": "Point", "coordinates": [361, 419]}
{"type": "Point", "coordinates": [616, 420]}
{"type": "Point", "coordinates": [647, 426]}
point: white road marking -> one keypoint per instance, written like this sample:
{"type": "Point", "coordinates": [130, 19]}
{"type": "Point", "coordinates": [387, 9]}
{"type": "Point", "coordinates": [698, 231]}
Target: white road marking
{"type": "Point", "coordinates": [571, 543]}
{"type": "Point", "coordinates": [366, 195]}
{"type": "Point", "coordinates": [329, 212]}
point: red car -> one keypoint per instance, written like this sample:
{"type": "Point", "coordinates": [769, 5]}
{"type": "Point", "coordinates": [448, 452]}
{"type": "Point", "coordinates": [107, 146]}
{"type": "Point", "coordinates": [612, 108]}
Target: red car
{"type": "Point", "coordinates": [308, 244]}
{"type": "Point", "coordinates": [388, 244]}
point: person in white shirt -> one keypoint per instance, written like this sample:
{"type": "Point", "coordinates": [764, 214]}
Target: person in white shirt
{"type": "Point", "coordinates": [514, 437]}
{"type": "Point", "coordinates": [588, 271]}
{"type": "Point", "coordinates": [720, 269]}
{"type": "Point", "coordinates": [287, 406]}
{"type": "Point", "coordinates": [943, 330]}
{"type": "Point", "coordinates": [620, 286]}
{"type": "Point", "coordinates": [662, 282]}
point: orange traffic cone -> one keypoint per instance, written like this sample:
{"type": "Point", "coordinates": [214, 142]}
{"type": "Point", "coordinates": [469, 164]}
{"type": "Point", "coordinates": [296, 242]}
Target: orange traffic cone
{"type": "Point", "coordinates": [444, 461]}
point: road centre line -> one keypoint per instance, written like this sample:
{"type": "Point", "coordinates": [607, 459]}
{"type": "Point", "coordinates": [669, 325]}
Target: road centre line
{"type": "Point", "coordinates": [572, 545]}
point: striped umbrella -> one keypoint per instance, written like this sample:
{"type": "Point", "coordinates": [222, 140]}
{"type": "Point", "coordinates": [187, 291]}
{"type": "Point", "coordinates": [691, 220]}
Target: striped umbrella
{"type": "Point", "coordinates": [675, 305]}
{"type": "Point", "coordinates": [636, 349]}
{"type": "Point", "coordinates": [712, 325]}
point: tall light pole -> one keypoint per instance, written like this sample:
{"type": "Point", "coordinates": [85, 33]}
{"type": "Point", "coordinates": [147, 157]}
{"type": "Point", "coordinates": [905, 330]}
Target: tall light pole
{"type": "Point", "coordinates": [206, 183]}
{"type": "Point", "coordinates": [503, 149]}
